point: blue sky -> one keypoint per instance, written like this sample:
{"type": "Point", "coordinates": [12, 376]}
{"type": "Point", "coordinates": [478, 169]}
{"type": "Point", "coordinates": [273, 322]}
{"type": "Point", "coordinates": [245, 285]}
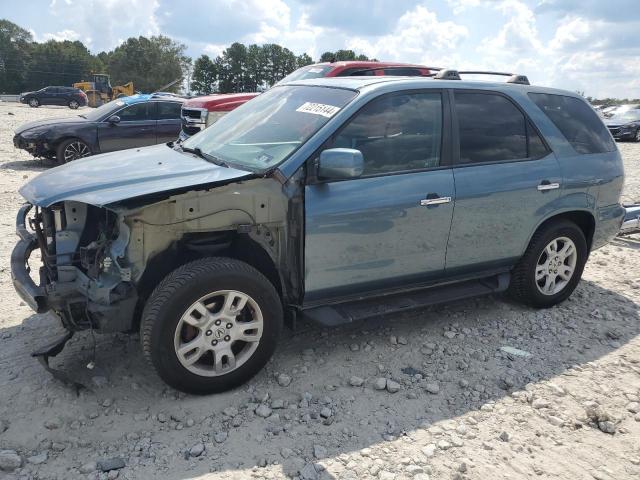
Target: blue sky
{"type": "Point", "coordinates": [587, 45]}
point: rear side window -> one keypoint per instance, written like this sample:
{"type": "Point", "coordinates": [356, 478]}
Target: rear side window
{"type": "Point", "coordinates": [403, 72]}
{"type": "Point", "coordinates": [577, 121]}
{"type": "Point", "coordinates": [168, 110]}
{"type": "Point", "coordinates": [396, 133]}
{"type": "Point", "coordinates": [493, 129]}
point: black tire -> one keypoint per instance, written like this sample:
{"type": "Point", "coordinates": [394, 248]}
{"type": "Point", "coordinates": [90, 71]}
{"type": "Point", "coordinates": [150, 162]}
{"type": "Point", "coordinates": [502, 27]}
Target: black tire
{"type": "Point", "coordinates": [34, 102]}
{"type": "Point", "coordinates": [524, 287]}
{"type": "Point", "coordinates": [62, 155]}
{"type": "Point", "coordinates": [74, 104]}
{"type": "Point", "coordinates": [174, 296]}
{"type": "Point", "coordinates": [637, 137]}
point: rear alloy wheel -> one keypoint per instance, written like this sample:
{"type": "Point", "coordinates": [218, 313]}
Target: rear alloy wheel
{"type": "Point", "coordinates": [551, 267]}
{"type": "Point", "coordinates": [34, 103]}
{"type": "Point", "coordinates": [72, 149]}
{"type": "Point", "coordinates": [638, 135]}
{"type": "Point", "coordinates": [556, 265]}
{"type": "Point", "coordinates": [73, 104]}
{"type": "Point", "coordinates": [211, 325]}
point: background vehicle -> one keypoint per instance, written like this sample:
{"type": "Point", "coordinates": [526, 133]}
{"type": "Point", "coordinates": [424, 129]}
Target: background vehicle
{"type": "Point", "coordinates": [128, 122]}
{"type": "Point", "coordinates": [625, 124]}
{"type": "Point", "coordinates": [198, 113]}
{"type": "Point", "coordinates": [68, 96]}
{"type": "Point", "coordinates": [100, 91]}
{"type": "Point", "coordinates": [328, 198]}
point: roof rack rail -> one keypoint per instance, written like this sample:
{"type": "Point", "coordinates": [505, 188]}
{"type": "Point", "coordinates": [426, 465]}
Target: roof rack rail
{"type": "Point", "coordinates": [394, 67]}
{"type": "Point", "coordinates": [455, 75]}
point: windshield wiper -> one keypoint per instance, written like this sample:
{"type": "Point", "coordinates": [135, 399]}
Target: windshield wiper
{"type": "Point", "coordinates": [205, 156]}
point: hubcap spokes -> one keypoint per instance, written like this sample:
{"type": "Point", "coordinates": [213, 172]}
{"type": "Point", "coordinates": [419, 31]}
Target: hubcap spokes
{"type": "Point", "coordinates": [218, 333]}
{"type": "Point", "coordinates": [75, 150]}
{"type": "Point", "coordinates": [556, 266]}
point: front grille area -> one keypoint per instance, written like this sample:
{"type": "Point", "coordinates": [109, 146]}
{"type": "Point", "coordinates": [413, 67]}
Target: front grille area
{"type": "Point", "coordinates": [614, 130]}
{"type": "Point", "coordinates": [192, 115]}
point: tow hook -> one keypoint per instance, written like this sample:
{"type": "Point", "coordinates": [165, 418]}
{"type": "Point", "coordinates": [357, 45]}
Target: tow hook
{"type": "Point", "coordinates": [51, 350]}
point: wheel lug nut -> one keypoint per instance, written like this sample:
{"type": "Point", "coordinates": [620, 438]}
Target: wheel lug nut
{"type": "Point", "coordinates": [208, 333]}
{"type": "Point", "coordinates": [227, 338]}
{"type": "Point", "coordinates": [214, 343]}
{"type": "Point", "coordinates": [218, 322]}
{"type": "Point", "coordinates": [229, 325]}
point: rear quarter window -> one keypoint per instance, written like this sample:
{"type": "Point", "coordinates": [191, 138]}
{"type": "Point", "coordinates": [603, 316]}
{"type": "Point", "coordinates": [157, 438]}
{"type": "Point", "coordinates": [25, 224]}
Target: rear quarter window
{"type": "Point", "coordinates": [579, 124]}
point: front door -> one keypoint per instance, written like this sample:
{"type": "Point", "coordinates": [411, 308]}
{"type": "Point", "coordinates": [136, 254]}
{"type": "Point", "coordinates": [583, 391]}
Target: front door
{"type": "Point", "coordinates": [137, 128]}
{"type": "Point", "coordinates": [506, 182]}
{"type": "Point", "coordinates": [388, 228]}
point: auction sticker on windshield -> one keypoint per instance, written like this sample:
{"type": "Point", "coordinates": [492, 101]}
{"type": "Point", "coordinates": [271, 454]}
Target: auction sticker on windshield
{"type": "Point", "coordinates": [318, 109]}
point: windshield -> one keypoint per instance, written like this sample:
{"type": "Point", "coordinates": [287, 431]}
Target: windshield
{"type": "Point", "coordinates": [96, 114]}
{"type": "Point", "coordinates": [266, 130]}
{"type": "Point", "coordinates": [303, 73]}
{"type": "Point", "coordinates": [626, 117]}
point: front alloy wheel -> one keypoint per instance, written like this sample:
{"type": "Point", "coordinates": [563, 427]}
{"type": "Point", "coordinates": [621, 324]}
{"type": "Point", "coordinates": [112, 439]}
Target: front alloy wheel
{"type": "Point", "coordinates": [218, 333]}
{"type": "Point", "coordinates": [72, 149]}
{"type": "Point", "coordinates": [33, 103]}
{"type": "Point", "coordinates": [211, 325]}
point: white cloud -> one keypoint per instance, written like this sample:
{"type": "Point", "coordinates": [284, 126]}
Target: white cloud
{"type": "Point", "coordinates": [459, 6]}
{"type": "Point", "coordinates": [570, 32]}
{"type": "Point", "coordinates": [418, 37]}
{"type": "Point", "coordinates": [102, 24]}
{"type": "Point", "coordinates": [70, 35]}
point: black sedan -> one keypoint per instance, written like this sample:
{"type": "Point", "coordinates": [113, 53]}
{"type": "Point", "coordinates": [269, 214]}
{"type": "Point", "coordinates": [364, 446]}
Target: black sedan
{"type": "Point", "coordinates": [625, 125]}
{"type": "Point", "coordinates": [68, 96]}
{"type": "Point", "coordinates": [128, 122]}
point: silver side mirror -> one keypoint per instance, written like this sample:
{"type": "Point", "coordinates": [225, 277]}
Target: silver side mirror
{"type": "Point", "coordinates": [338, 163]}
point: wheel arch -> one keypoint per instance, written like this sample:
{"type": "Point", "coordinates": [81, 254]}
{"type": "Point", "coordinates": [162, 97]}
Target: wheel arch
{"type": "Point", "coordinates": [584, 219]}
{"type": "Point", "coordinates": [195, 246]}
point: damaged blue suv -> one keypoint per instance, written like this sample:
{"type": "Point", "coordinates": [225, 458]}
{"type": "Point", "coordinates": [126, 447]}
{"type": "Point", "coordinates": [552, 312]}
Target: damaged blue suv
{"type": "Point", "coordinates": [333, 199]}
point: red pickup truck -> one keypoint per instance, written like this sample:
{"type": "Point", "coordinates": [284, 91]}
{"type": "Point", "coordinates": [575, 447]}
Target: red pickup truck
{"type": "Point", "coordinates": [198, 113]}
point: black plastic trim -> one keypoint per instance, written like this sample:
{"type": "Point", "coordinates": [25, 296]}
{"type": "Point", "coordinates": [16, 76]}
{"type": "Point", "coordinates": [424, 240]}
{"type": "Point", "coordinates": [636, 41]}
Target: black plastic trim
{"type": "Point", "coordinates": [31, 293]}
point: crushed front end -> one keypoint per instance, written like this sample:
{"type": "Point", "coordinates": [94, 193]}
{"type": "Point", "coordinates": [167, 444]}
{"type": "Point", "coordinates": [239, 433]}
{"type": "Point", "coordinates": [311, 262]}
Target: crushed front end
{"type": "Point", "coordinates": [82, 276]}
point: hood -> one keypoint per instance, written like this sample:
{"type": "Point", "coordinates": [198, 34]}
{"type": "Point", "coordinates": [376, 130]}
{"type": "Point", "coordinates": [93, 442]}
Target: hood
{"type": "Point", "coordinates": [48, 122]}
{"type": "Point", "coordinates": [116, 176]}
{"type": "Point", "coordinates": [222, 102]}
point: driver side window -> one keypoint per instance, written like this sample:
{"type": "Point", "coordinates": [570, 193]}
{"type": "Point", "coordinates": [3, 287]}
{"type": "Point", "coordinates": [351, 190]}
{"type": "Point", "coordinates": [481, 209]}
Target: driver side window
{"type": "Point", "coordinates": [135, 113]}
{"type": "Point", "coordinates": [396, 133]}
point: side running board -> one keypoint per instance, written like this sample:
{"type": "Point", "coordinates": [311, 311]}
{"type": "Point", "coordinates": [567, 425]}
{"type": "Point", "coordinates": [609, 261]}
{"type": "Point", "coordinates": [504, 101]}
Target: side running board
{"type": "Point", "coordinates": [333, 315]}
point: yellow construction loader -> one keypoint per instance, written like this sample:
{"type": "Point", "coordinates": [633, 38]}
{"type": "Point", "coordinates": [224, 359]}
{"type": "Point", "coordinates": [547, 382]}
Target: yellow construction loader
{"type": "Point", "coordinates": [100, 91]}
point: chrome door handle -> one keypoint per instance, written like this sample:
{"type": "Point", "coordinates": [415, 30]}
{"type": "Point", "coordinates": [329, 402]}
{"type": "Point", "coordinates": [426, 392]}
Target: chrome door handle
{"type": "Point", "coordinates": [543, 187]}
{"type": "Point", "coordinates": [434, 201]}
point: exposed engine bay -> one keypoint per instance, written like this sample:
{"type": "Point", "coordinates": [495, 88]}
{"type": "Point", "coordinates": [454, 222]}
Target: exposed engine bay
{"type": "Point", "coordinates": [100, 263]}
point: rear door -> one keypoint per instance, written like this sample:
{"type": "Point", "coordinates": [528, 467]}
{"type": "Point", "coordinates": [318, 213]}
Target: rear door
{"type": "Point", "coordinates": [389, 227]}
{"type": "Point", "coordinates": [168, 122]}
{"type": "Point", "coordinates": [137, 128]}
{"type": "Point", "coordinates": [506, 178]}
{"type": "Point", "coordinates": [48, 96]}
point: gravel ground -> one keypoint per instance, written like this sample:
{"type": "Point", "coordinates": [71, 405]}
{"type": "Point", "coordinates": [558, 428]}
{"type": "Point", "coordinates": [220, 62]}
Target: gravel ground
{"type": "Point", "coordinates": [430, 394]}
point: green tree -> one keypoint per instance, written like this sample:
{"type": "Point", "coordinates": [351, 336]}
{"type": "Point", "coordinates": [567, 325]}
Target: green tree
{"type": "Point", "coordinates": [303, 60]}
{"type": "Point", "coordinates": [205, 75]}
{"type": "Point", "coordinates": [60, 63]}
{"type": "Point", "coordinates": [149, 63]}
{"type": "Point", "coordinates": [15, 52]}
{"type": "Point", "coordinates": [342, 56]}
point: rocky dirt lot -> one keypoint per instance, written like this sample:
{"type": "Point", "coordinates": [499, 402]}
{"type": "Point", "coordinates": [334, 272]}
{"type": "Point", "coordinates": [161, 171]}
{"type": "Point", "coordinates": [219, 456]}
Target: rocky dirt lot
{"type": "Point", "coordinates": [479, 389]}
